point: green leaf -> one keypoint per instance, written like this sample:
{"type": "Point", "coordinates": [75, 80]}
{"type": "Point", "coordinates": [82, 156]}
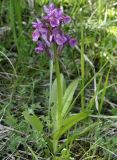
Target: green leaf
{"type": "Point", "coordinates": [68, 97]}
{"type": "Point", "coordinates": [53, 96]}
{"type": "Point", "coordinates": [34, 121]}
{"type": "Point", "coordinates": [69, 122]}
{"type": "Point", "coordinates": [54, 101]}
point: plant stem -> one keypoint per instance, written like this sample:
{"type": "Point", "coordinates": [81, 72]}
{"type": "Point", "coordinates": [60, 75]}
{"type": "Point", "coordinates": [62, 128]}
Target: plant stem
{"type": "Point", "coordinates": [59, 102]}
{"type": "Point", "coordinates": [50, 86]}
{"type": "Point", "coordinates": [59, 89]}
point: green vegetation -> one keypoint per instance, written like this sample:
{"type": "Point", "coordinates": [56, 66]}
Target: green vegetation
{"type": "Point", "coordinates": [63, 110]}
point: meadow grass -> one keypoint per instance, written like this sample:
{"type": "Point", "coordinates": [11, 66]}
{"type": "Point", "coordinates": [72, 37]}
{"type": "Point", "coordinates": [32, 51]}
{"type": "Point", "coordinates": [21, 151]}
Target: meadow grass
{"type": "Point", "coordinates": [86, 125]}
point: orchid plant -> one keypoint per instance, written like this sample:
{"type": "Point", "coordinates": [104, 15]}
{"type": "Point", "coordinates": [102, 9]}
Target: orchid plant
{"type": "Point", "coordinates": [50, 39]}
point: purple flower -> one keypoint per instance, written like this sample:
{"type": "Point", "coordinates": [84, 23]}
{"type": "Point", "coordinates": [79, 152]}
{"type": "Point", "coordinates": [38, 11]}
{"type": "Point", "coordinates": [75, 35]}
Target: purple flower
{"type": "Point", "coordinates": [60, 39]}
{"type": "Point", "coordinates": [35, 35]}
{"type": "Point", "coordinates": [58, 14]}
{"type": "Point", "coordinates": [53, 18]}
{"type": "Point", "coordinates": [37, 24]}
{"type": "Point", "coordinates": [72, 42]}
{"type": "Point", "coordinates": [66, 19]}
{"type": "Point", "coordinates": [49, 9]}
{"type": "Point", "coordinates": [54, 15]}
{"type": "Point", "coordinates": [43, 32]}
{"type": "Point", "coordinates": [44, 35]}
{"type": "Point", "coordinates": [54, 22]}
{"type": "Point", "coordinates": [40, 47]}
{"type": "Point", "coordinates": [48, 31]}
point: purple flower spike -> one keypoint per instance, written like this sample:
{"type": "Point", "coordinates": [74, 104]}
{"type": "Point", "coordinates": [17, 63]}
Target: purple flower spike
{"type": "Point", "coordinates": [40, 47]}
{"type": "Point", "coordinates": [72, 42]}
{"type": "Point", "coordinates": [35, 35]}
{"type": "Point", "coordinates": [48, 32]}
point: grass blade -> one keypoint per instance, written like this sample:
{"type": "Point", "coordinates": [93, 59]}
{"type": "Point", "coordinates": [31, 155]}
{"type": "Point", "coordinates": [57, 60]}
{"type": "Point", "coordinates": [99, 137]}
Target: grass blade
{"type": "Point", "coordinates": [104, 91]}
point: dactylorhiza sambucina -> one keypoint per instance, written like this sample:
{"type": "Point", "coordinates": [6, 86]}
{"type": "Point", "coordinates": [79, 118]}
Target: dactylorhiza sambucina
{"type": "Point", "coordinates": [48, 31]}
